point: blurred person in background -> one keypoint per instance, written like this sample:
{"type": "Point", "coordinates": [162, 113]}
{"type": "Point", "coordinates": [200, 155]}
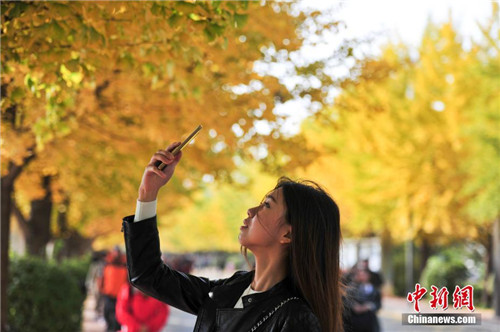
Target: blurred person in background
{"type": "Point", "coordinates": [375, 278]}
{"type": "Point", "coordinates": [294, 235]}
{"type": "Point", "coordinates": [362, 303]}
{"type": "Point", "coordinates": [92, 282]}
{"type": "Point", "coordinates": [137, 312]}
{"type": "Point", "coordinates": [114, 275]}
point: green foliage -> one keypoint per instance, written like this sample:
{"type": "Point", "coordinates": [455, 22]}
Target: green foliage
{"type": "Point", "coordinates": [77, 268]}
{"type": "Point", "coordinates": [44, 296]}
{"type": "Point", "coordinates": [446, 269]}
{"type": "Point", "coordinates": [459, 266]}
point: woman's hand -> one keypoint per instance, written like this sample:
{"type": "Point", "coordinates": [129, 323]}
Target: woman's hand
{"type": "Point", "coordinates": [153, 178]}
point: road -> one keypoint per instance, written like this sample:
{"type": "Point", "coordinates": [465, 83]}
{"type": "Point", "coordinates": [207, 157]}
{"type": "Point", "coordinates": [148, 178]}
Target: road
{"type": "Point", "coordinates": [180, 321]}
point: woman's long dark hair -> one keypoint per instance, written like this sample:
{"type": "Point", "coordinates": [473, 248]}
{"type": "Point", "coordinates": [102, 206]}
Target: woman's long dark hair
{"type": "Point", "coordinates": [314, 250]}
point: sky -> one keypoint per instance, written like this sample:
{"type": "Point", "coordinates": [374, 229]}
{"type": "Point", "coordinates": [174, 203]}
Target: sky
{"type": "Point", "coordinates": [407, 19]}
{"type": "Point", "coordinates": [386, 20]}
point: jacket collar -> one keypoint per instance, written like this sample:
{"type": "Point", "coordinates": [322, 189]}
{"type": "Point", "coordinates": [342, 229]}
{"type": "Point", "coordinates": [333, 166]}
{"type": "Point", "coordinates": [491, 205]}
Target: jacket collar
{"type": "Point", "coordinates": [227, 294]}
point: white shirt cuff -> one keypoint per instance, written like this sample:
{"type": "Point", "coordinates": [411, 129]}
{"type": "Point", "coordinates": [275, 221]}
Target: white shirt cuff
{"type": "Point", "coordinates": [144, 210]}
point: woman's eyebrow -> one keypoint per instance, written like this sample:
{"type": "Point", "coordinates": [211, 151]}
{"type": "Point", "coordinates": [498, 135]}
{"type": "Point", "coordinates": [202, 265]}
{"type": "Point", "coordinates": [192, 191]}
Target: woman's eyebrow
{"type": "Point", "coordinates": [271, 197]}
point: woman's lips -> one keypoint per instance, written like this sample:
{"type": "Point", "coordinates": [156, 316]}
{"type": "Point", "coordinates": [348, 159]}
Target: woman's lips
{"type": "Point", "coordinates": [246, 222]}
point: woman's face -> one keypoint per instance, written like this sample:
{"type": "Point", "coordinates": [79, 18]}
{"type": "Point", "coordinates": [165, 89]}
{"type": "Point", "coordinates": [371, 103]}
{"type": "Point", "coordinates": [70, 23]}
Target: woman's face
{"type": "Point", "coordinates": [362, 276]}
{"type": "Point", "coordinates": [265, 225]}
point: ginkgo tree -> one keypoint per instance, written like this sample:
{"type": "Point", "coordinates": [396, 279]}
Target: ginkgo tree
{"type": "Point", "coordinates": [136, 75]}
{"type": "Point", "coordinates": [91, 89]}
{"type": "Point", "coordinates": [413, 139]}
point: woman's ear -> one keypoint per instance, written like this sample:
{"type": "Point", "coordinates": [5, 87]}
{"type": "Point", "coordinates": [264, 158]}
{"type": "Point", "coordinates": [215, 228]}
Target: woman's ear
{"type": "Point", "coordinates": [286, 238]}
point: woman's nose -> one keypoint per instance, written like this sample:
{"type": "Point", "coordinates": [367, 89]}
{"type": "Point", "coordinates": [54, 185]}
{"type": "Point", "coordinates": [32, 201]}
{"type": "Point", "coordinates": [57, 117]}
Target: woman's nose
{"type": "Point", "coordinates": [251, 211]}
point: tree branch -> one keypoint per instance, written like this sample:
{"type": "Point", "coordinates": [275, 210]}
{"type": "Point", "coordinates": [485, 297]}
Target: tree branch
{"type": "Point", "coordinates": [22, 221]}
{"type": "Point", "coordinates": [15, 170]}
{"type": "Point", "coordinates": [103, 132]}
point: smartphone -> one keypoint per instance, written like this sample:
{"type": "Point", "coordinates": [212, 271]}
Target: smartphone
{"type": "Point", "coordinates": [195, 132]}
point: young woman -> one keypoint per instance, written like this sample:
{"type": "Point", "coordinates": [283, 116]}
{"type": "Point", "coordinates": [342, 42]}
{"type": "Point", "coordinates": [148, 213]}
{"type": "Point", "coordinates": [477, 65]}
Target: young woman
{"type": "Point", "coordinates": [294, 235]}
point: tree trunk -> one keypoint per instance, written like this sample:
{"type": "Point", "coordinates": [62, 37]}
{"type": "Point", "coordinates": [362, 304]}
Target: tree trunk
{"type": "Point", "coordinates": [62, 216]}
{"type": "Point", "coordinates": [8, 181]}
{"type": "Point", "coordinates": [387, 265]}
{"type": "Point", "coordinates": [39, 233]}
{"type": "Point", "coordinates": [425, 253]}
{"type": "Point", "coordinates": [410, 283]}
{"type": "Point", "coordinates": [487, 242]}
{"type": "Point", "coordinates": [73, 243]}
{"type": "Point", "coordinates": [496, 266]}
{"type": "Point", "coordinates": [7, 188]}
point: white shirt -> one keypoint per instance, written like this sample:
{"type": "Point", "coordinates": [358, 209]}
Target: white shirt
{"type": "Point", "coordinates": [144, 210]}
{"type": "Point", "coordinates": [248, 291]}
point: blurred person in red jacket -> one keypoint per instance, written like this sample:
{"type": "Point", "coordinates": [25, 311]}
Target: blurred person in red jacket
{"type": "Point", "coordinates": [114, 276]}
{"type": "Point", "coordinates": [138, 312]}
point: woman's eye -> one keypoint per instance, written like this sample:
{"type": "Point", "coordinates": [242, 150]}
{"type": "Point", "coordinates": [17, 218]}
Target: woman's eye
{"type": "Point", "coordinates": [267, 205]}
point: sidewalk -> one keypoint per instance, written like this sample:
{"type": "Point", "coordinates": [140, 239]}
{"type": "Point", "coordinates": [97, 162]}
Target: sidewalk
{"type": "Point", "coordinates": [90, 321]}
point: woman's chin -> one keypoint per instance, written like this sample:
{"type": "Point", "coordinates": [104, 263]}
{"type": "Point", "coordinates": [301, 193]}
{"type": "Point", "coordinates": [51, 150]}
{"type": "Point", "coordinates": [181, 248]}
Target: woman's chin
{"type": "Point", "coordinates": [243, 239]}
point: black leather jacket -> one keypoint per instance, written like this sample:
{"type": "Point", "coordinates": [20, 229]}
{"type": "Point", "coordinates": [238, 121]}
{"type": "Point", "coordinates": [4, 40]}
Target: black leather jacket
{"type": "Point", "coordinates": [211, 300]}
